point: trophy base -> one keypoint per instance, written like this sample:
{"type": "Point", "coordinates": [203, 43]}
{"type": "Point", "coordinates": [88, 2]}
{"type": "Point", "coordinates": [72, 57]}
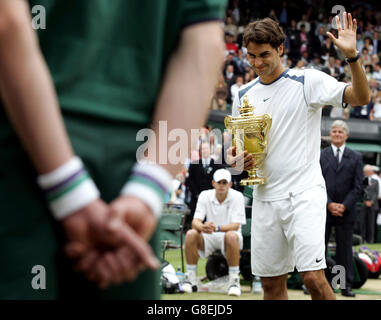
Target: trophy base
{"type": "Point", "coordinates": [252, 181]}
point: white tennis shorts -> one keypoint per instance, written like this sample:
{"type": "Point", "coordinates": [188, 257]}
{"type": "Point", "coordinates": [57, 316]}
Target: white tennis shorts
{"type": "Point", "coordinates": [289, 233]}
{"type": "Point", "coordinates": [216, 241]}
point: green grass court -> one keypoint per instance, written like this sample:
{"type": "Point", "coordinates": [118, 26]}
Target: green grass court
{"type": "Point", "coordinates": [371, 290]}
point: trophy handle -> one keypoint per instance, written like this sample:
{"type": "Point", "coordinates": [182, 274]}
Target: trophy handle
{"type": "Point", "coordinates": [228, 121]}
{"type": "Point", "coordinates": [267, 122]}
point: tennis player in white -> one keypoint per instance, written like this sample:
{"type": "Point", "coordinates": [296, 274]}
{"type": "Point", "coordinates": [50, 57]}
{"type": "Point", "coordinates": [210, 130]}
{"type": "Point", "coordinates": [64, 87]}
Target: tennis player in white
{"type": "Point", "coordinates": [223, 210]}
{"type": "Point", "coordinates": [289, 212]}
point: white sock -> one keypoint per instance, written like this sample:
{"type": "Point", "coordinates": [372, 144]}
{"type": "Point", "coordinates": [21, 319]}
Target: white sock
{"type": "Point", "coordinates": [233, 272]}
{"type": "Point", "coordinates": [192, 268]}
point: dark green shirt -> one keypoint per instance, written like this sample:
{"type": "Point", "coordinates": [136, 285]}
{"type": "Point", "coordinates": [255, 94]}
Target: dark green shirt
{"type": "Point", "coordinates": [107, 57]}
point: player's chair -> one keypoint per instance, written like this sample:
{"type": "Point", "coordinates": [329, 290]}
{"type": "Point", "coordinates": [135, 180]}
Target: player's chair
{"type": "Point", "coordinates": [172, 228]}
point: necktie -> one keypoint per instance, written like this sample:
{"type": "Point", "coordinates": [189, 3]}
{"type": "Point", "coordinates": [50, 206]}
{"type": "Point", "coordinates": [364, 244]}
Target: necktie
{"type": "Point", "coordinates": [338, 156]}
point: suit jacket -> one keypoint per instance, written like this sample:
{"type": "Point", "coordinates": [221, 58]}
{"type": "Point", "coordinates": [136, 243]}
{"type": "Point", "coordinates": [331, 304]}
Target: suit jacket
{"type": "Point", "coordinates": [343, 181]}
{"type": "Point", "coordinates": [371, 192]}
{"type": "Point", "coordinates": [200, 179]}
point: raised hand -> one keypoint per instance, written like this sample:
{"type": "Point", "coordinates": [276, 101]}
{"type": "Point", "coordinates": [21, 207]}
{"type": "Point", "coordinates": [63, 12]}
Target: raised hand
{"type": "Point", "coordinates": [346, 40]}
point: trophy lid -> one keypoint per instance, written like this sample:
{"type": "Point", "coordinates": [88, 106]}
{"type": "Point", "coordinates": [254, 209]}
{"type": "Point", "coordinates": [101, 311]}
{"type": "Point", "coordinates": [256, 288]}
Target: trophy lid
{"type": "Point", "coordinates": [246, 110]}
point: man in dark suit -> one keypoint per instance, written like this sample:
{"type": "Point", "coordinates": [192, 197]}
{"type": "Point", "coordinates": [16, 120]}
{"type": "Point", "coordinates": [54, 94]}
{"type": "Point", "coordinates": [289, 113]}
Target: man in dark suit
{"type": "Point", "coordinates": [342, 171]}
{"type": "Point", "coordinates": [370, 209]}
{"type": "Point", "coordinates": [200, 176]}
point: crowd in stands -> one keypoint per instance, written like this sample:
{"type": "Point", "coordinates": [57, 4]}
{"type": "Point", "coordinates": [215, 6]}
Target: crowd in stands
{"type": "Point", "coordinates": [305, 24]}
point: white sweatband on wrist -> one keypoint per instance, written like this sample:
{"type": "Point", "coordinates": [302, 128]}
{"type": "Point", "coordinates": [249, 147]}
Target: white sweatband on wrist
{"type": "Point", "coordinates": [151, 183]}
{"type": "Point", "coordinates": [68, 188]}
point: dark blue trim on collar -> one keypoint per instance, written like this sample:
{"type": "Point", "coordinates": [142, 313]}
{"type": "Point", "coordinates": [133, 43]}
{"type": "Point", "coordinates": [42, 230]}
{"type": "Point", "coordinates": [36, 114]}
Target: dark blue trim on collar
{"type": "Point", "coordinates": [243, 91]}
{"type": "Point", "coordinates": [281, 75]}
{"type": "Point", "coordinates": [285, 75]}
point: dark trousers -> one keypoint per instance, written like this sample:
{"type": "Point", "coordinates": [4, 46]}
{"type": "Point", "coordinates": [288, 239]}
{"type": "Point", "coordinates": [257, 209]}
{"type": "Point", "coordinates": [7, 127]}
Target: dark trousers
{"type": "Point", "coordinates": [343, 238]}
{"type": "Point", "coordinates": [368, 224]}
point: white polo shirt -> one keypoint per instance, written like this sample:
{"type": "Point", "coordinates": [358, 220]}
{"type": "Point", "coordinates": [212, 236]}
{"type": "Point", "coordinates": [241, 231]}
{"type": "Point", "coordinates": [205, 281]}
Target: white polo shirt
{"type": "Point", "coordinates": [231, 210]}
{"type": "Point", "coordinates": [294, 101]}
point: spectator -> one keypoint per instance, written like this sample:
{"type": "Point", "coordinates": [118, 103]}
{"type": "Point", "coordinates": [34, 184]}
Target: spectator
{"type": "Point", "coordinates": [229, 43]}
{"type": "Point", "coordinates": [230, 80]}
{"type": "Point", "coordinates": [221, 94]}
{"type": "Point", "coordinates": [178, 194]}
{"type": "Point", "coordinates": [236, 12]}
{"type": "Point", "coordinates": [342, 171]}
{"type": "Point", "coordinates": [321, 36]}
{"type": "Point", "coordinates": [283, 16]}
{"type": "Point", "coordinates": [369, 72]}
{"type": "Point", "coordinates": [246, 77]}
{"type": "Point", "coordinates": [365, 57]}
{"type": "Point", "coordinates": [338, 113]}
{"type": "Point", "coordinates": [325, 24]}
{"type": "Point", "coordinates": [360, 41]}
{"type": "Point", "coordinates": [299, 65]}
{"type": "Point", "coordinates": [230, 60]}
{"type": "Point", "coordinates": [252, 74]}
{"type": "Point", "coordinates": [303, 39]}
{"type": "Point", "coordinates": [331, 69]}
{"type": "Point", "coordinates": [200, 176]}
{"type": "Point", "coordinates": [375, 111]}
{"type": "Point", "coordinates": [304, 22]}
{"type": "Point", "coordinates": [370, 208]}
{"type": "Point", "coordinates": [328, 49]}
{"type": "Point", "coordinates": [223, 210]}
{"type": "Point", "coordinates": [305, 58]}
{"type": "Point", "coordinates": [368, 44]}
{"type": "Point", "coordinates": [339, 66]}
{"type": "Point", "coordinates": [315, 63]}
{"type": "Point", "coordinates": [235, 87]}
{"type": "Point", "coordinates": [231, 28]}
{"type": "Point", "coordinates": [377, 72]}
{"type": "Point", "coordinates": [293, 35]}
{"type": "Point", "coordinates": [374, 86]}
{"type": "Point", "coordinates": [272, 15]}
{"type": "Point", "coordinates": [229, 75]}
{"type": "Point", "coordinates": [241, 62]}
{"type": "Point", "coordinates": [315, 44]}
{"type": "Point", "coordinates": [375, 59]}
{"type": "Point", "coordinates": [376, 43]}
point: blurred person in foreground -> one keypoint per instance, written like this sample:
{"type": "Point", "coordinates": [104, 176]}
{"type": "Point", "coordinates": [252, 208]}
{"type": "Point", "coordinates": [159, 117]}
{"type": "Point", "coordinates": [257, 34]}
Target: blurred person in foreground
{"type": "Point", "coordinates": [289, 211]}
{"type": "Point", "coordinates": [69, 176]}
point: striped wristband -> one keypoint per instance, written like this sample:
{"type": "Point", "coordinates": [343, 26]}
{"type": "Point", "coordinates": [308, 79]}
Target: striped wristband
{"type": "Point", "coordinates": [151, 183]}
{"type": "Point", "coordinates": [68, 188]}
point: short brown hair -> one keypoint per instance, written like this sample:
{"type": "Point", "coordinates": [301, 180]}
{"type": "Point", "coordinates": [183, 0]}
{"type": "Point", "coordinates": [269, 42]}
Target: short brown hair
{"type": "Point", "coordinates": [264, 31]}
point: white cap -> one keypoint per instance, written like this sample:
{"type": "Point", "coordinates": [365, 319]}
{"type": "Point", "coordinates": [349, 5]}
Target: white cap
{"type": "Point", "coordinates": [222, 174]}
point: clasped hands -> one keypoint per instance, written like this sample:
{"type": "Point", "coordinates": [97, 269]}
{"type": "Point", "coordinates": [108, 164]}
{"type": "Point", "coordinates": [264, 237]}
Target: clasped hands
{"type": "Point", "coordinates": [109, 243]}
{"type": "Point", "coordinates": [336, 209]}
{"type": "Point", "coordinates": [208, 227]}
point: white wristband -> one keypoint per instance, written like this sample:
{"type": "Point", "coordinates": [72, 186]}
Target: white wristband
{"type": "Point", "coordinates": [151, 183]}
{"type": "Point", "coordinates": [68, 188]}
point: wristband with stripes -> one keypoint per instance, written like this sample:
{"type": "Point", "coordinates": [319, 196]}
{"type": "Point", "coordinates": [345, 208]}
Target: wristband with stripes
{"type": "Point", "coordinates": [68, 188]}
{"type": "Point", "coordinates": [151, 183]}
